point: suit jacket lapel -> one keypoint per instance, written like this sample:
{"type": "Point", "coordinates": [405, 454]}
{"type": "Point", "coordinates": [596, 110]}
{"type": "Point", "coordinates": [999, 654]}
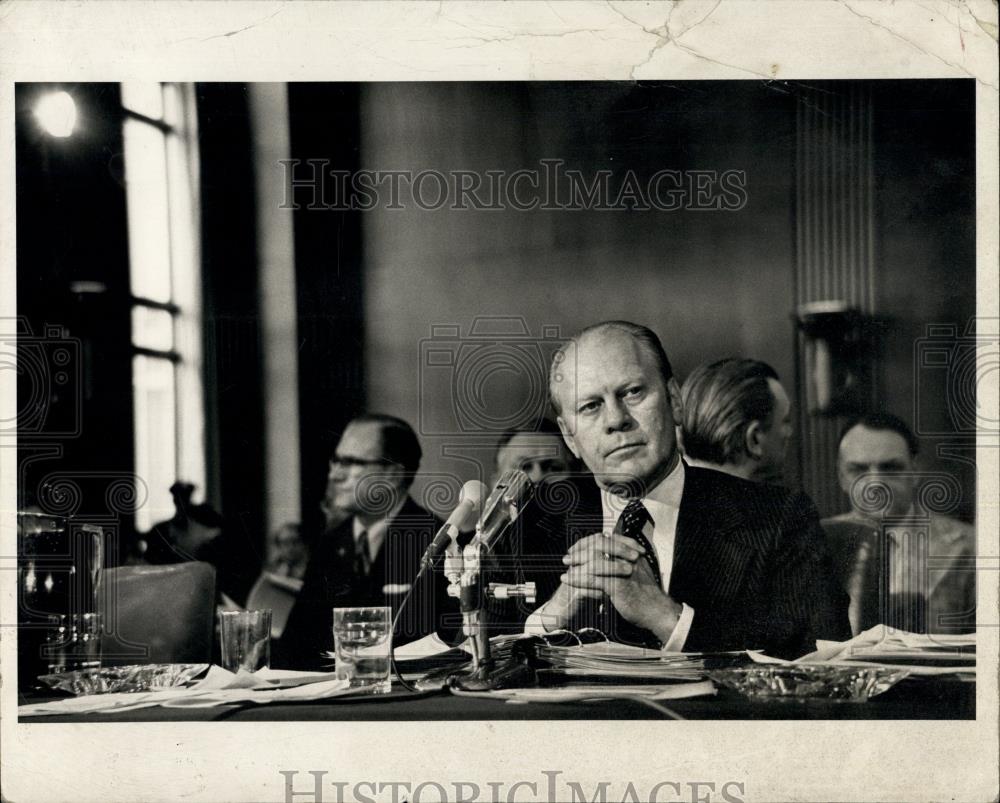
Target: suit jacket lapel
{"type": "Point", "coordinates": [405, 539]}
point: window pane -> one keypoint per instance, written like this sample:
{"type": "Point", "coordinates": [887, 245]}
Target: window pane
{"type": "Point", "coordinates": [152, 328]}
{"type": "Point", "coordinates": [185, 261]}
{"type": "Point", "coordinates": [155, 439]}
{"type": "Point", "coordinates": [144, 97]}
{"type": "Point", "coordinates": [148, 217]}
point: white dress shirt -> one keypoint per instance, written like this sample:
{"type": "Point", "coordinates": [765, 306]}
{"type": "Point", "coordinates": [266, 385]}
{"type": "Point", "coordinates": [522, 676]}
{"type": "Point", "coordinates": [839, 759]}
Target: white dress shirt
{"type": "Point", "coordinates": [663, 505]}
{"type": "Point", "coordinates": [376, 531]}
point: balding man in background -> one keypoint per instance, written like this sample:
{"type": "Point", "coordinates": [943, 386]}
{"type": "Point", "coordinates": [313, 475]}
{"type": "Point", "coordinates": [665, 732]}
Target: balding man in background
{"type": "Point", "coordinates": [737, 419]}
{"type": "Point", "coordinates": [539, 452]}
{"type": "Point", "coordinates": [372, 555]}
{"type": "Point", "coordinates": [902, 566]}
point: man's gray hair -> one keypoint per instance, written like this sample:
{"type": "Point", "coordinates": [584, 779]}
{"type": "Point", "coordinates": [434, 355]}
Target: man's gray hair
{"type": "Point", "coordinates": [721, 399]}
{"type": "Point", "coordinates": [645, 336]}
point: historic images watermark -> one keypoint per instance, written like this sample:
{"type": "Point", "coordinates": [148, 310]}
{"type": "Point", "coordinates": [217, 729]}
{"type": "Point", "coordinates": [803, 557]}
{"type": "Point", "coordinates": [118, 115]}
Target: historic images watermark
{"type": "Point", "coordinates": [312, 786]}
{"type": "Point", "coordinates": [312, 184]}
{"type": "Point", "coordinates": [458, 368]}
{"type": "Point", "coordinates": [963, 361]}
{"type": "Point", "coordinates": [46, 367]}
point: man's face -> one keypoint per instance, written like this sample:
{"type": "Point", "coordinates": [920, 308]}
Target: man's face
{"type": "Point", "coordinates": [870, 458]}
{"type": "Point", "coordinates": [287, 546]}
{"type": "Point", "coordinates": [358, 471]}
{"type": "Point", "coordinates": [617, 414]}
{"type": "Point", "coordinates": [536, 454]}
{"type": "Point", "coordinates": [774, 439]}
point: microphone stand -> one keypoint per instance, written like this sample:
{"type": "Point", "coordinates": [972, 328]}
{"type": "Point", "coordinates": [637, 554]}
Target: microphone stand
{"type": "Point", "coordinates": [487, 672]}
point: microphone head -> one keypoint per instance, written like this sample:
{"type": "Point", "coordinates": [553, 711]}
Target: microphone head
{"type": "Point", "coordinates": [470, 503]}
{"type": "Point", "coordinates": [512, 491]}
{"type": "Point", "coordinates": [519, 488]}
{"type": "Point", "coordinates": [473, 491]}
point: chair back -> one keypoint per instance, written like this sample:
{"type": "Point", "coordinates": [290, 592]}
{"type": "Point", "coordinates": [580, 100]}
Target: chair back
{"type": "Point", "coordinates": [157, 614]}
{"type": "Point", "coordinates": [279, 598]}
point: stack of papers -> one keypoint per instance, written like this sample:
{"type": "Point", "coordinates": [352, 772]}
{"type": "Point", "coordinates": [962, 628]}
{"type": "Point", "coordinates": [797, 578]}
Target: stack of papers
{"type": "Point", "coordinates": [932, 650]}
{"type": "Point", "coordinates": [574, 694]}
{"type": "Point", "coordinates": [918, 653]}
{"type": "Point", "coordinates": [612, 660]}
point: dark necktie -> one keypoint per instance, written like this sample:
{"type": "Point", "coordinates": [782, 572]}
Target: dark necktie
{"type": "Point", "coordinates": [630, 524]}
{"type": "Point", "coordinates": [364, 554]}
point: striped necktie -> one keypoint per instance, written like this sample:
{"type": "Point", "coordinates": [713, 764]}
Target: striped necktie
{"type": "Point", "coordinates": [630, 524]}
{"type": "Point", "coordinates": [364, 554]}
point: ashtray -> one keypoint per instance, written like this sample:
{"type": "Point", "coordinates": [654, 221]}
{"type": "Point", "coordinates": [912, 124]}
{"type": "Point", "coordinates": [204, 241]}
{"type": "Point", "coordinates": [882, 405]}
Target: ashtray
{"type": "Point", "coordinates": [134, 678]}
{"type": "Point", "coordinates": [805, 682]}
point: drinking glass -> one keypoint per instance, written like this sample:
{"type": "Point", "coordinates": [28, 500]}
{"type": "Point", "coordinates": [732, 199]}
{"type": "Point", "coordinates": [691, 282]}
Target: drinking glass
{"type": "Point", "coordinates": [246, 640]}
{"type": "Point", "coordinates": [73, 642]}
{"type": "Point", "coordinates": [59, 562]}
{"type": "Point", "coordinates": [362, 641]}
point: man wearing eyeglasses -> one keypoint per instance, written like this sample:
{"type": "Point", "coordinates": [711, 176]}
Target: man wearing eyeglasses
{"type": "Point", "coordinates": [371, 556]}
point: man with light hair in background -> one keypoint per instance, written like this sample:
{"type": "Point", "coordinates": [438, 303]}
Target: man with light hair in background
{"type": "Point", "coordinates": [901, 565]}
{"type": "Point", "coordinates": [737, 419]}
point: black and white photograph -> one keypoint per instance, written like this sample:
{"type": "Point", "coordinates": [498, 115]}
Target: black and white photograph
{"type": "Point", "coordinates": [482, 412]}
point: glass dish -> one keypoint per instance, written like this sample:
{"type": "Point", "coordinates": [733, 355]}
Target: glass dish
{"type": "Point", "coordinates": [138, 677]}
{"type": "Point", "coordinates": [804, 682]}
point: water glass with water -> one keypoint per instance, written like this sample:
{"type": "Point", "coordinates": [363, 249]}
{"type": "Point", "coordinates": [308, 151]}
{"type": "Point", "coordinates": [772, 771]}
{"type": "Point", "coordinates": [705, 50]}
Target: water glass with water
{"type": "Point", "coordinates": [362, 642]}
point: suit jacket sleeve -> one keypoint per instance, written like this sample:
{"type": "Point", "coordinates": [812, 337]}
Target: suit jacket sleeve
{"type": "Point", "coordinates": [809, 601]}
{"type": "Point", "coordinates": [798, 598]}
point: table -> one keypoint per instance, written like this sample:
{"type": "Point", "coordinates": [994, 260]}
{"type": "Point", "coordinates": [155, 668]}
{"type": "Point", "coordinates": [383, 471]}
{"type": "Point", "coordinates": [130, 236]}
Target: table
{"type": "Point", "coordinates": [912, 698]}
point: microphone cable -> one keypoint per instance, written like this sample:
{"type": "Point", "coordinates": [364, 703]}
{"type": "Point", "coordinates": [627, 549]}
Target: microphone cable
{"type": "Point", "coordinates": [395, 620]}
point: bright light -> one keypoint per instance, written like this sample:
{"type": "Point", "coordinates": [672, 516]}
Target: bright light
{"type": "Point", "coordinates": [56, 113]}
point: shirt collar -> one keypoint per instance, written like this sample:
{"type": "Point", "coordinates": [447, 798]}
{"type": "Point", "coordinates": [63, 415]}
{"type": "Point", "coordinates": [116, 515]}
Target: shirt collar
{"type": "Point", "coordinates": [665, 496]}
{"type": "Point", "coordinates": [894, 529]}
{"type": "Point", "coordinates": [376, 531]}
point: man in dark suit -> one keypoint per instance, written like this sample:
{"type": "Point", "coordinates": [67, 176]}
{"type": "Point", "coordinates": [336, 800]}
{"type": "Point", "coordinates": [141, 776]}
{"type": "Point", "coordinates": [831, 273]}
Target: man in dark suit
{"type": "Point", "coordinates": [371, 557]}
{"type": "Point", "coordinates": [663, 554]}
{"type": "Point", "coordinates": [737, 419]}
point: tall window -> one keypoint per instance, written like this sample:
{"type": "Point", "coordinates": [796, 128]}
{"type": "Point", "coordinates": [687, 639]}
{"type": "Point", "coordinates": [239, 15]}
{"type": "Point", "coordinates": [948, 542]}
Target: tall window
{"type": "Point", "coordinates": [161, 168]}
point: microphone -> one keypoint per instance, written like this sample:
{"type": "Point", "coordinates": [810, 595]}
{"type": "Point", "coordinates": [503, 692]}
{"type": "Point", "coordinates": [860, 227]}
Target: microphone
{"type": "Point", "coordinates": [461, 518]}
{"type": "Point", "coordinates": [511, 493]}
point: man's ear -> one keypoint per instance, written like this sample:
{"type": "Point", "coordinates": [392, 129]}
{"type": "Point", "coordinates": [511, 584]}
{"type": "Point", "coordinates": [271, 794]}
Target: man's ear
{"type": "Point", "coordinates": [567, 434]}
{"type": "Point", "coordinates": [676, 407]}
{"type": "Point", "coordinates": [752, 440]}
{"type": "Point", "coordinates": [397, 472]}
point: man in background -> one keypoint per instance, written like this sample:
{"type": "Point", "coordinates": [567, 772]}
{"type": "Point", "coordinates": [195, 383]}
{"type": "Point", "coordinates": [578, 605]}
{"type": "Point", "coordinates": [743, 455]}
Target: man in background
{"type": "Point", "coordinates": [372, 556]}
{"type": "Point", "coordinates": [539, 453]}
{"type": "Point", "coordinates": [902, 565]}
{"type": "Point", "coordinates": [542, 455]}
{"type": "Point", "coordinates": [287, 553]}
{"type": "Point", "coordinates": [737, 419]}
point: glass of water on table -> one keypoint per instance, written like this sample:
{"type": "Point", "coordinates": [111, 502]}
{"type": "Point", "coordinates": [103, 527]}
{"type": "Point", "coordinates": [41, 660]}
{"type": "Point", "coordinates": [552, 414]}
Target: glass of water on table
{"type": "Point", "coordinates": [362, 640]}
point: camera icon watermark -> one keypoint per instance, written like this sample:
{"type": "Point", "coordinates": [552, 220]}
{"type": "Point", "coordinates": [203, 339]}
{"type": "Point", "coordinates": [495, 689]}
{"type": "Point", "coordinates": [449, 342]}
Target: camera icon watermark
{"type": "Point", "coordinates": [47, 369]}
{"type": "Point", "coordinates": [493, 379]}
{"type": "Point", "coordinates": [962, 363]}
